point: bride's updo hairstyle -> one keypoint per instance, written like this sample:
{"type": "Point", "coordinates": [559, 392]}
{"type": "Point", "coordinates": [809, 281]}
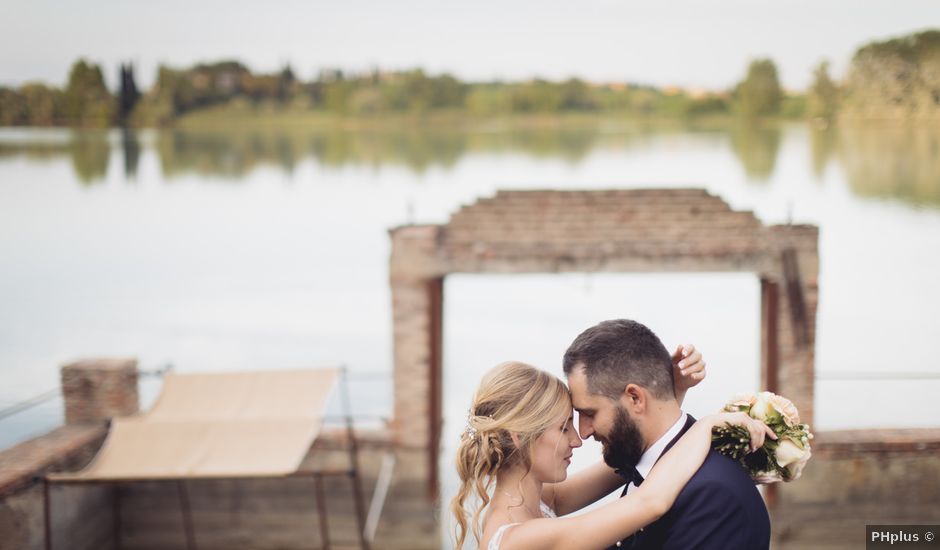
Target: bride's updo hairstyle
{"type": "Point", "coordinates": [513, 398]}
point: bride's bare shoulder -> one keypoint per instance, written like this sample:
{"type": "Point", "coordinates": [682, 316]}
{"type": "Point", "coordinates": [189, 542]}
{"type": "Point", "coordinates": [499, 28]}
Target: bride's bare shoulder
{"type": "Point", "coordinates": [491, 524]}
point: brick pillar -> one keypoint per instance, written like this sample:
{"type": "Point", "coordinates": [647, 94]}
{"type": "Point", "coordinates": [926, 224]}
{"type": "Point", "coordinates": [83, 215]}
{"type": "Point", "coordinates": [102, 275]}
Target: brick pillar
{"type": "Point", "coordinates": [796, 321]}
{"type": "Point", "coordinates": [95, 390]}
{"type": "Point", "coordinates": [415, 277]}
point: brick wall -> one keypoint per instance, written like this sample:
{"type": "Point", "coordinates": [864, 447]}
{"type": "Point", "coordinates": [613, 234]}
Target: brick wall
{"type": "Point", "coordinates": [93, 391]}
{"type": "Point", "coordinates": [83, 516]}
{"type": "Point", "coordinates": [635, 230]}
{"type": "Point", "coordinates": [857, 478]}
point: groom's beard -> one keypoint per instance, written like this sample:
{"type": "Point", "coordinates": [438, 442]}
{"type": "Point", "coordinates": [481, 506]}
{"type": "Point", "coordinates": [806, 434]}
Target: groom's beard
{"type": "Point", "coordinates": [624, 445]}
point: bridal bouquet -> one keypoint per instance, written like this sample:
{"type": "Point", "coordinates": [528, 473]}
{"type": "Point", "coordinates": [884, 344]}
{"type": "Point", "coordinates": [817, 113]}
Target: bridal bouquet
{"type": "Point", "coordinates": [780, 460]}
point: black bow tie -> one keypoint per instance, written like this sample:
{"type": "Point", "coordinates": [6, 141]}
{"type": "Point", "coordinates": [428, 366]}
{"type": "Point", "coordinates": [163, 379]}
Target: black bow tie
{"type": "Point", "coordinates": [630, 474]}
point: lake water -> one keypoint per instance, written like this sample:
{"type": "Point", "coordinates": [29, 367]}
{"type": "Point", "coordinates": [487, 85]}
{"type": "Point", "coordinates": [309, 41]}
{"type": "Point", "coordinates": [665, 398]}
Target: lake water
{"type": "Point", "coordinates": [269, 249]}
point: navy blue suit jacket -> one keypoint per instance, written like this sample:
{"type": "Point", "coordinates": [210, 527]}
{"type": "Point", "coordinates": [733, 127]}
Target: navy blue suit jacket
{"type": "Point", "coordinates": [719, 509]}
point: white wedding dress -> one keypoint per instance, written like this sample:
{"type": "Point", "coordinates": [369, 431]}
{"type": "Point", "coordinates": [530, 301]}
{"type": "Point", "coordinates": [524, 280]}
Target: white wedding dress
{"type": "Point", "coordinates": [494, 542]}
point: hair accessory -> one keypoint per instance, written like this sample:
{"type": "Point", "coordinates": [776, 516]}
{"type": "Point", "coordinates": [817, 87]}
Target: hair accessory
{"type": "Point", "coordinates": [470, 431]}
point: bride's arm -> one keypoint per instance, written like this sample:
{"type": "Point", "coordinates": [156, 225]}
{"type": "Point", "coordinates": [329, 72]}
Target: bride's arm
{"type": "Point", "coordinates": [599, 480]}
{"type": "Point", "coordinates": [688, 369]}
{"type": "Point", "coordinates": [580, 489]}
{"type": "Point", "coordinates": [612, 522]}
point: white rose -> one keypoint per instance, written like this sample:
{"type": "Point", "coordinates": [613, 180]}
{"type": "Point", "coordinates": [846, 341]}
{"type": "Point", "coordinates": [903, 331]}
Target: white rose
{"type": "Point", "coordinates": [796, 469]}
{"type": "Point", "coordinates": [763, 408]}
{"type": "Point", "coordinates": [788, 452]}
{"type": "Point", "coordinates": [792, 456]}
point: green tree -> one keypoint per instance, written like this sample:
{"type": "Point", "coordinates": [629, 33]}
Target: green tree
{"type": "Point", "coordinates": [822, 101]}
{"type": "Point", "coordinates": [86, 101]}
{"type": "Point", "coordinates": [759, 94]}
{"type": "Point", "coordinates": [576, 96]}
{"type": "Point", "coordinates": [897, 78]}
{"type": "Point", "coordinates": [488, 99]}
{"type": "Point", "coordinates": [128, 94]}
{"type": "Point", "coordinates": [447, 92]}
{"type": "Point", "coordinates": [337, 96]}
{"type": "Point", "coordinates": [12, 108]}
{"type": "Point", "coordinates": [537, 96]}
{"type": "Point", "coordinates": [707, 105]}
{"type": "Point", "coordinates": [43, 104]}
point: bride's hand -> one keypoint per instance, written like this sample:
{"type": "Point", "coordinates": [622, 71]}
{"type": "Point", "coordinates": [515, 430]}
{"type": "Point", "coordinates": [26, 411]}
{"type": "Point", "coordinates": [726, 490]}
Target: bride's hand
{"type": "Point", "coordinates": [689, 367]}
{"type": "Point", "coordinates": [757, 429]}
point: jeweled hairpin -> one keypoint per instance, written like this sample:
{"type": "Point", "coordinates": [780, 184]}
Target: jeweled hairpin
{"type": "Point", "coordinates": [470, 431]}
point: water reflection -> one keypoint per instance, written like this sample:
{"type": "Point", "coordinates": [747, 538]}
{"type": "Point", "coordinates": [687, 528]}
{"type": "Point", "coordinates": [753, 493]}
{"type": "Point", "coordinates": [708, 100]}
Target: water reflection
{"type": "Point", "coordinates": [233, 155]}
{"type": "Point", "coordinates": [130, 144]}
{"type": "Point", "coordinates": [822, 145]}
{"type": "Point", "coordinates": [893, 162]}
{"type": "Point", "coordinates": [90, 155]}
{"type": "Point", "coordinates": [88, 151]}
{"type": "Point", "coordinates": [756, 146]}
{"type": "Point", "coordinates": [878, 161]}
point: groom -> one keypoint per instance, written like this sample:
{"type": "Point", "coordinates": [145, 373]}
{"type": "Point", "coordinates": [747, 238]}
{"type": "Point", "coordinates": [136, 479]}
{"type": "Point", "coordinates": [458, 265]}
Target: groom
{"type": "Point", "coordinates": [621, 381]}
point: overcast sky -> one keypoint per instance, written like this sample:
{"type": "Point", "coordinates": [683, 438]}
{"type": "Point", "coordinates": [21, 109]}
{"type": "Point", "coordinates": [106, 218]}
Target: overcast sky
{"type": "Point", "coordinates": [694, 43]}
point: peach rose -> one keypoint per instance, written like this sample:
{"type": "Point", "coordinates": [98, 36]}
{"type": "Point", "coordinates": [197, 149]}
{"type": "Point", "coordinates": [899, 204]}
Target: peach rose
{"type": "Point", "coordinates": [786, 408]}
{"type": "Point", "coordinates": [770, 407]}
{"type": "Point", "coordinates": [745, 400]}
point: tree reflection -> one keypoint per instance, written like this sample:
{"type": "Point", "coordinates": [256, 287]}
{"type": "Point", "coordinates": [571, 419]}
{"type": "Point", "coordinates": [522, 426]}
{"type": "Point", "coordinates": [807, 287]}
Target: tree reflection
{"type": "Point", "coordinates": [756, 145]}
{"type": "Point", "coordinates": [234, 154]}
{"type": "Point", "coordinates": [878, 160]}
{"type": "Point", "coordinates": [90, 152]}
{"type": "Point", "coordinates": [130, 145]}
{"type": "Point", "coordinates": [901, 162]}
{"type": "Point", "coordinates": [823, 142]}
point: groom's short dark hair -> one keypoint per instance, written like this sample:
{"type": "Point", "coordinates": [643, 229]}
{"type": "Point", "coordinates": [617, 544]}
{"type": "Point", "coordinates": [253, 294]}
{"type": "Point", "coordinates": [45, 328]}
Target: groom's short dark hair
{"type": "Point", "coordinates": [620, 352]}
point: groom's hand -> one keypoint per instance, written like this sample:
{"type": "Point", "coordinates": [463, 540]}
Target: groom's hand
{"type": "Point", "coordinates": [689, 368]}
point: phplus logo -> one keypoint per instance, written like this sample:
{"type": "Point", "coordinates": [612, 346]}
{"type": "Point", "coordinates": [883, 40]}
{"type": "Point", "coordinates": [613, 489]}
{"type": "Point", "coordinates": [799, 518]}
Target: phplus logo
{"type": "Point", "coordinates": [892, 537]}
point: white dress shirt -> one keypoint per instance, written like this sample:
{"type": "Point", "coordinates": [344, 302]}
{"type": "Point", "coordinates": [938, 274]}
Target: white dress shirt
{"type": "Point", "coordinates": [649, 458]}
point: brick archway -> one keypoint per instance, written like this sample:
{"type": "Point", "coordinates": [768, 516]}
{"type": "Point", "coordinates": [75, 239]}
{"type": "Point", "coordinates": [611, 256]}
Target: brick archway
{"type": "Point", "coordinates": [620, 231]}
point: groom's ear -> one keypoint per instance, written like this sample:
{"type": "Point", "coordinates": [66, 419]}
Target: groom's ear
{"type": "Point", "coordinates": [634, 398]}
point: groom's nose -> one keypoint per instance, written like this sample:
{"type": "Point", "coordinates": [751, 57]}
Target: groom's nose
{"type": "Point", "coordinates": [585, 427]}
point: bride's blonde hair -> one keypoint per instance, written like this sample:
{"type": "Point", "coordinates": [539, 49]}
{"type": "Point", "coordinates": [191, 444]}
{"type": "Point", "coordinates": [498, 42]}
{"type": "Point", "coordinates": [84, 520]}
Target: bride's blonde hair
{"type": "Point", "coordinates": [513, 398]}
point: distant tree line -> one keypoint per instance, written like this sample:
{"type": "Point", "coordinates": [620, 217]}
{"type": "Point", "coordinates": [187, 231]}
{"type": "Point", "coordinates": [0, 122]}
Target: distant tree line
{"type": "Point", "coordinates": [176, 92]}
{"type": "Point", "coordinates": [898, 77]}
{"type": "Point", "coordinates": [376, 92]}
{"type": "Point", "coordinates": [85, 101]}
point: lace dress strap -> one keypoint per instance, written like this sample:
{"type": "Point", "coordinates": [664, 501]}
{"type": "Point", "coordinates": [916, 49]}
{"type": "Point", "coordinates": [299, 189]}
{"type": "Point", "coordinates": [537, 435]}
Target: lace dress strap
{"type": "Point", "coordinates": [546, 511]}
{"type": "Point", "coordinates": [498, 536]}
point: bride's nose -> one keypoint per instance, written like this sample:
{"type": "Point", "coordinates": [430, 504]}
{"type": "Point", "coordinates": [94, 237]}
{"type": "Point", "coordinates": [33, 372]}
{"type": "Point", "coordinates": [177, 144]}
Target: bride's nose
{"type": "Point", "coordinates": [575, 442]}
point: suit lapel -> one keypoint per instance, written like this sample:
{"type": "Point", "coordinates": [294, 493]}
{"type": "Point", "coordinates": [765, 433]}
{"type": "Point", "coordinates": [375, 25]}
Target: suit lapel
{"type": "Point", "coordinates": [637, 539]}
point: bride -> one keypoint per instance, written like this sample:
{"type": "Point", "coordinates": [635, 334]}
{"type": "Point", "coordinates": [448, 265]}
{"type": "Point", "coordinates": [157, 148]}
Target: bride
{"type": "Point", "coordinates": [515, 454]}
